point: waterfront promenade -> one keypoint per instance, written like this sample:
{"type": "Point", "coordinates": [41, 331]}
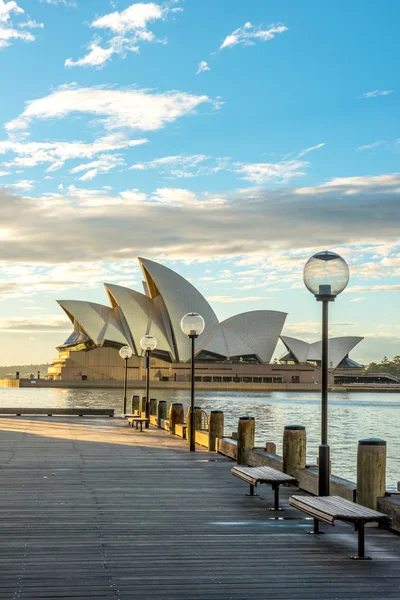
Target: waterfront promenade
{"type": "Point", "coordinates": [93, 509]}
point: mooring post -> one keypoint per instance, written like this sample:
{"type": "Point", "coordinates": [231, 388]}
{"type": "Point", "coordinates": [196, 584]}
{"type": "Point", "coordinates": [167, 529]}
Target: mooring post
{"type": "Point", "coordinates": [294, 449]}
{"type": "Point", "coordinates": [175, 415]}
{"type": "Point", "coordinates": [153, 407]}
{"type": "Point", "coordinates": [161, 412]}
{"type": "Point", "coordinates": [270, 447]}
{"type": "Point", "coordinates": [371, 471]}
{"type": "Point", "coordinates": [135, 403]}
{"type": "Point", "coordinates": [245, 438]}
{"type": "Point", "coordinates": [215, 429]}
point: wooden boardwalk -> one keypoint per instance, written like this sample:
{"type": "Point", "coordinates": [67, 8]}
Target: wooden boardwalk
{"type": "Point", "coordinates": [90, 508]}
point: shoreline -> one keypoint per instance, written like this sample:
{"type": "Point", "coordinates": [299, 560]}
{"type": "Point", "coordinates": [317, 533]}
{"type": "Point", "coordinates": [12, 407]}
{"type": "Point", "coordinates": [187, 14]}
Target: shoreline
{"type": "Point", "coordinates": [201, 386]}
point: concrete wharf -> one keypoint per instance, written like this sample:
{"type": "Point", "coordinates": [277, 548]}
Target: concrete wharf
{"type": "Point", "coordinates": [91, 508]}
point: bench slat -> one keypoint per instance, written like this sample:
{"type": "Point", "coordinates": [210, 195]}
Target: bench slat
{"type": "Point", "coordinates": [329, 508]}
{"type": "Point", "coordinates": [262, 474]}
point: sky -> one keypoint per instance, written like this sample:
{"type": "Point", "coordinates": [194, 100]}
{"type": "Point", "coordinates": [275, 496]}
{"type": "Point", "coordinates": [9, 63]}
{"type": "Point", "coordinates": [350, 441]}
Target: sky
{"type": "Point", "coordinates": [227, 140]}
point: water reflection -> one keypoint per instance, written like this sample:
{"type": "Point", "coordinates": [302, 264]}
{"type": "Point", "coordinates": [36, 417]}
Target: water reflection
{"type": "Point", "coordinates": [351, 416]}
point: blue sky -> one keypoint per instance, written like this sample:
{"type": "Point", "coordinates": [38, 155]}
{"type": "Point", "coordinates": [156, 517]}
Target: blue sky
{"type": "Point", "coordinates": [229, 140]}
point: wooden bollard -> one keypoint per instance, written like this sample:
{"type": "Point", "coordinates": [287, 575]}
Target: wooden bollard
{"type": "Point", "coordinates": [197, 420]}
{"type": "Point", "coordinates": [234, 435]}
{"type": "Point", "coordinates": [161, 412]}
{"type": "Point", "coordinates": [270, 447]}
{"type": "Point", "coordinates": [153, 407]}
{"type": "Point", "coordinates": [245, 438]}
{"type": "Point", "coordinates": [371, 471]}
{"type": "Point", "coordinates": [175, 416]}
{"type": "Point", "coordinates": [135, 404]}
{"type": "Point", "coordinates": [215, 429]}
{"type": "Point", "coordinates": [294, 449]}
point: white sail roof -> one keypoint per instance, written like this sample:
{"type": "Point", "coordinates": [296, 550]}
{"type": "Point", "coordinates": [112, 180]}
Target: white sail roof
{"type": "Point", "coordinates": [338, 349]}
{"type": "Point", "coordinates": [180, 297]}
{"type": "Point", "coordinates": [99, 322]}
{"type": "Point", "coordinates": [140, 315]}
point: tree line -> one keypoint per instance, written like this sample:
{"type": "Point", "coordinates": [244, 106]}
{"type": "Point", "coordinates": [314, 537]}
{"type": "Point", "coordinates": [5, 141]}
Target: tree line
{"type": "Point", "coordinates": [386, 366]}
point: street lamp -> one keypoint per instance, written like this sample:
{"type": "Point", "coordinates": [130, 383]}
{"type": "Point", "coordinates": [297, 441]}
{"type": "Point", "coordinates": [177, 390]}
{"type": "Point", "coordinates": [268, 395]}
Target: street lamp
{"type": "Point", "coordinates": [148, 343]}
{"type": "Point", "coordinates": [192, 325]}
{"type": "Point", "coordinates": [125, 353]}
{"type": "Point", "coordinates": [325, 275]}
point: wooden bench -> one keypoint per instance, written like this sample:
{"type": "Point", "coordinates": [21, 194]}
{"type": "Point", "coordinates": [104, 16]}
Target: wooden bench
{"type": "Point", "coordinates": [137, 421]}
{"type": "Point", "coordinates": [255, 475]}
{"type": "Point", "coordinates": [328, 509]}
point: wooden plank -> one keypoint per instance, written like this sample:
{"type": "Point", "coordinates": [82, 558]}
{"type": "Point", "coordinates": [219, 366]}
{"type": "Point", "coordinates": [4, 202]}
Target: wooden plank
{"type": "Point", "coordinates": [90, 508]}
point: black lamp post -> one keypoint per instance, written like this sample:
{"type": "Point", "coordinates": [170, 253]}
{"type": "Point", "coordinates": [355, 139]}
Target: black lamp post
{"type": "Point", "coordinates": [125, 353]}
{"type": "Point", "coordinates": [148, 343]}
{"type": "Point", "coordinates": [192, 325]}
{"type": "Point", "coordinates": [326, 275]}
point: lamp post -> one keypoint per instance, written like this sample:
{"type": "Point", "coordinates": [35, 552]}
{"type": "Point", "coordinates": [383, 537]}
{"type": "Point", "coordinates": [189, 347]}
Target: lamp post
{"type": "Point", "coordinates": [125, 353]}
{"type": "Point", "coordinates": [148, 343]}
{"type": "Point", "coordinates": [325, 275]}
{"type": "Point", "coordinates": [192, 325]}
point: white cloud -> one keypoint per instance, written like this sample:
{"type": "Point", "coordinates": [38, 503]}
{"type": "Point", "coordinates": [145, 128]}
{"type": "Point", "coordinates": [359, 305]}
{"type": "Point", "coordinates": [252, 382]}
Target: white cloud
{"type": "Point", "coordinates": [129, 29]}
{"type": "Point", "coordinates": [369, 146]}
{"type": "Point", "coordinates": [377, 93]}
{"type": "Point", "coordinates": [31, 25]}
{"type": "Point", "coordinates": [260, 173]}
{"type": "Point", "coordinates": [51, 324]}
{"type": "Point", "coordinates": [8, 32]}
{"type": "Point", "coordinates": [230, 299]}
{"type": "Point", "coordinates": [23, 184]}
{"type": "Point", "coordinates": [132, 108]}
{"type": "Point", "coordinates": [357, 300]}
{"type": "Point", "coordinates": [354, 185]}
{"type": "Point", "coordinates": [373, 288]}
{"type": "Point", "coordinates": [55, 2]}
{"type": "Point", "coordinates": [202, 67]}
{"type": "Point", "coordinates": [311, 149]}
{"type": "Point", "coordinates": [178, 223]}
{"type": "Point", "coordinates": [31, 154]}
{"type": "Point", "coordinates": [248, 34]}
{"type": "Point", "coordinates": [104, 164]}
{"type": "Point", "coordinates": [181, 166]}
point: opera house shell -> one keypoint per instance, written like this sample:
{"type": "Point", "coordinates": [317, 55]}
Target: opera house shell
{"type": "Point", "coordinates": [248, 337]}
{"type": "Point", "coordinates": [302, 352]}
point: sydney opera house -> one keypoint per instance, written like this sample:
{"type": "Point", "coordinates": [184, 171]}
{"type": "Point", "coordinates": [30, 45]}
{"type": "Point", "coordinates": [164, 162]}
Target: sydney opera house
{"type": "Point", "coordinates": [234, 351]}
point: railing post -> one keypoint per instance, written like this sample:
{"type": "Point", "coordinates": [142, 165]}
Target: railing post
{"type": "Point", "coordinates": [142, 408]}
{"type": "Point", "coordinates": [371, 471]}
{"type": "Point", "coordinates": [270, 447]}
{"type": "Point", "coordinates": [175, 415]}
{"type": "Point", "coordinates": [294, 449]}
{"type": "Point", "coordinates": [161, 412]}
{"type": "Point", "coordinates": [245, 438]}
{"type": "Point", "coordinates": [215, 429]}
{"type": "Point", "coordinates": [197, 420]}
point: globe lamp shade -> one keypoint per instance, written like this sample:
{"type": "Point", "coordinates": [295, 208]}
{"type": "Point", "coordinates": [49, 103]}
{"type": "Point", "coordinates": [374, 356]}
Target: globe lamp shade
{"type": "Point", "coordinates": [148, 343]}
{"type": "Point", "coordinates": [326, 274]}
{"type": "Point", "coordinates": [192, 324]}
{"type": "Point", "coordinates": [125, 352]}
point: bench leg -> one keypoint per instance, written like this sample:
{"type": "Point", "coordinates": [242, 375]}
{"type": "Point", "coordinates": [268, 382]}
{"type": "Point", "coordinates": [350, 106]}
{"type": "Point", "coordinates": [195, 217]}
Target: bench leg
{"type": "Point", "coordinates": [252, 493]}
{"type": "Point", "coordinates": [316, 529]}
{"type": "Point", "coordinates": [141, 426]}
{"type": "Point", "coordinates": [276, 498]}
{"type": "Point", "coordinates": [359, 527]}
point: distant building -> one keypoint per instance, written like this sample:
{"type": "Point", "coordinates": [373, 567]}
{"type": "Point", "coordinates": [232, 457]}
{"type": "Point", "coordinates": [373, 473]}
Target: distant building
{"type": "Point", "coordinates": [238, 349]}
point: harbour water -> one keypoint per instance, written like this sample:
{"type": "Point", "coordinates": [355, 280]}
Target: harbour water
{"type": "Point", "coordinates": [351, 416]}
